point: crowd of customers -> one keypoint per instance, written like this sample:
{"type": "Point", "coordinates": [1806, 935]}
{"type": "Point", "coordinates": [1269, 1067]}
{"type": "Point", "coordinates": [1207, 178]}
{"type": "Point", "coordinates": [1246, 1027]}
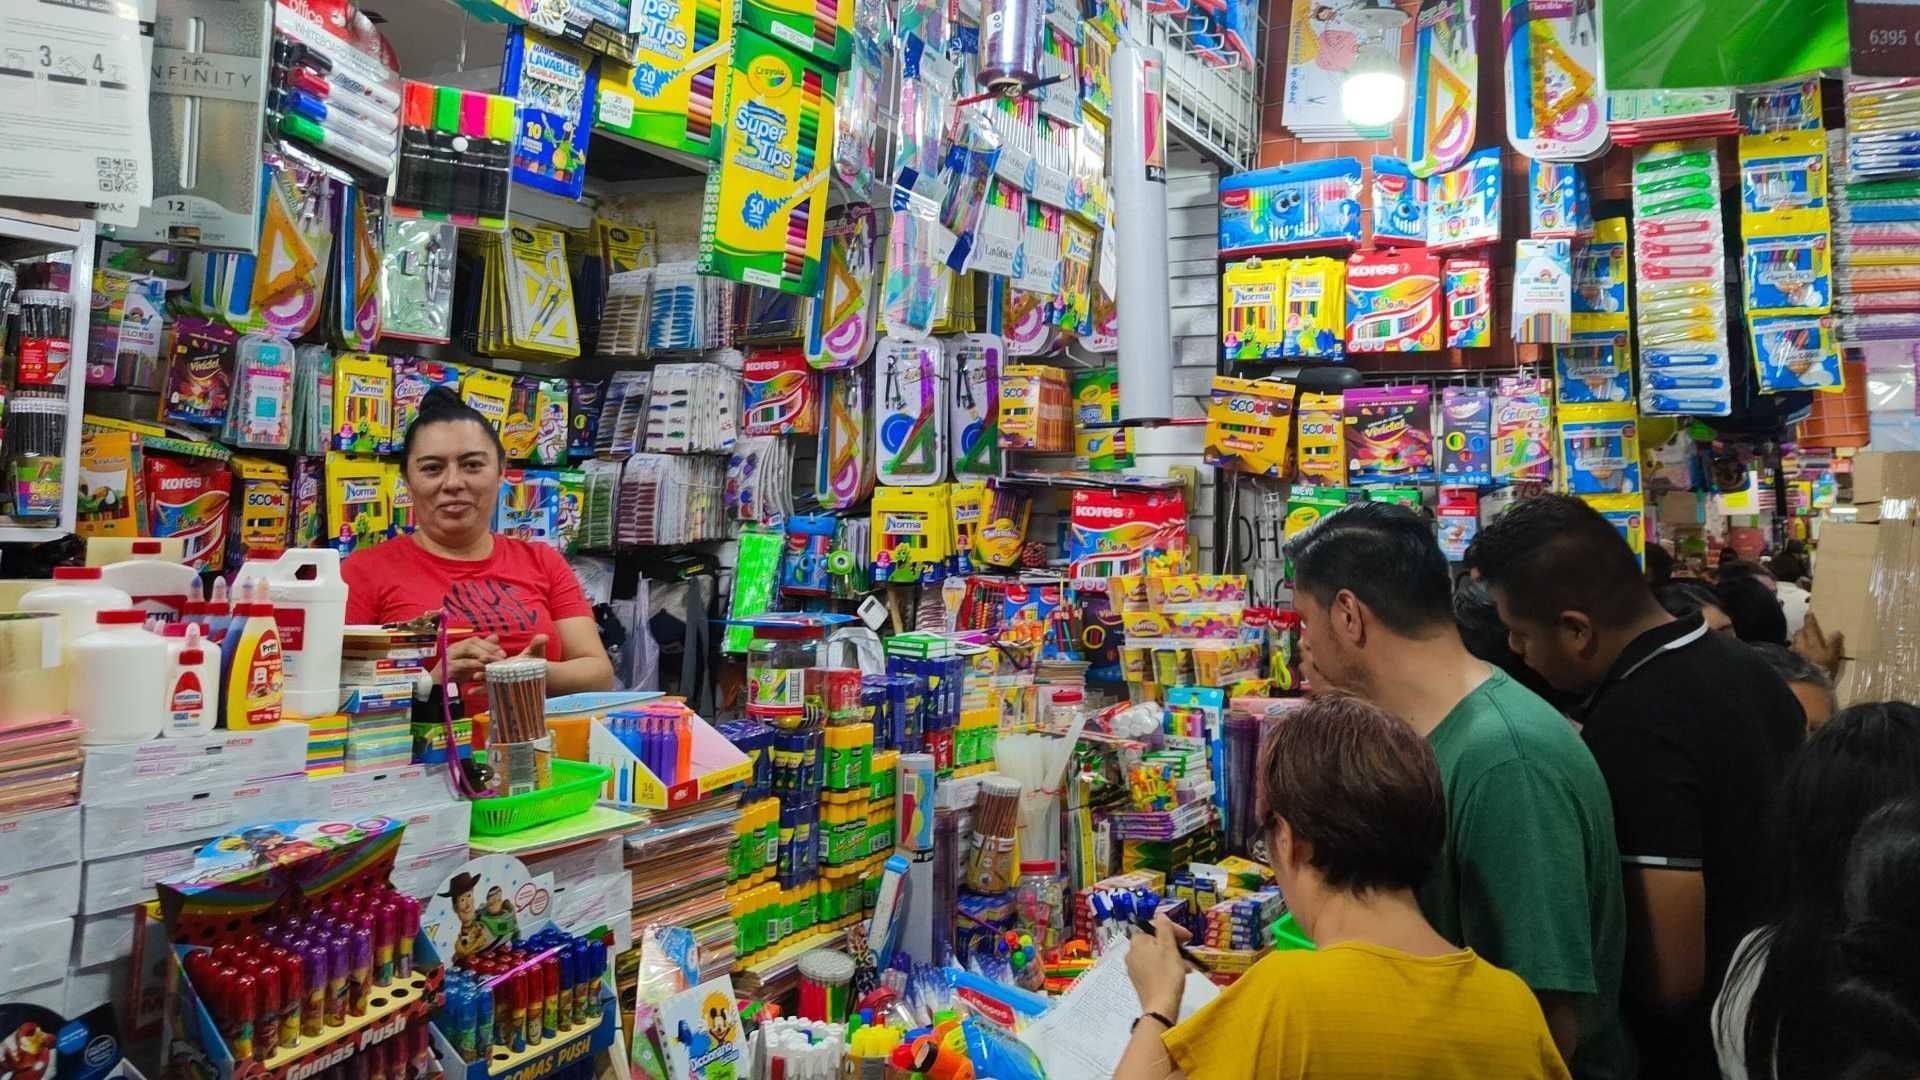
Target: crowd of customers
{"type": "Point", "coordinates": [1566, 816]}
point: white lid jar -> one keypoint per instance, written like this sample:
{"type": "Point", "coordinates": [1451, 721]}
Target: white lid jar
{"type": "Point", "coordinates": [76, 594]}
{"type": "Point", "coordinates": [117, 679]}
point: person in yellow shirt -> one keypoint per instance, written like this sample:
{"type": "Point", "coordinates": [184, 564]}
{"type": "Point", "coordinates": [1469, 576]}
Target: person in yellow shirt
{"type": "Point", "coordinates": [1354, 816]}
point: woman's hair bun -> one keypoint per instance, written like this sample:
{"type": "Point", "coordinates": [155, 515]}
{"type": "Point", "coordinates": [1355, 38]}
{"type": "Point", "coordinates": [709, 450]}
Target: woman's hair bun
{"type": "Point", "coordinates": [441, 405]}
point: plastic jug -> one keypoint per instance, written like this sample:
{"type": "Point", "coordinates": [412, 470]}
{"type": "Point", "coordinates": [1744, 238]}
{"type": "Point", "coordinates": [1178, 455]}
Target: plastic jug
{"type": "Point", "coordinates": [77, 594]}
{"type": "Point", "coordinates": [116, 679]}
{"type": "Point", "coordinates": [310, 611]}
{"type": "Point", "coordinates": [154, 584]}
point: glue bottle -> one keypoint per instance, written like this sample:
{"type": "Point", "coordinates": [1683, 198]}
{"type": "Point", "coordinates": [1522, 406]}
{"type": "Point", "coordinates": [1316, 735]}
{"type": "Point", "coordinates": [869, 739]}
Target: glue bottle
{"type": "Point", "coordinates": [255, 681]}
{"type": "Point", "coordinates": [193, 684]}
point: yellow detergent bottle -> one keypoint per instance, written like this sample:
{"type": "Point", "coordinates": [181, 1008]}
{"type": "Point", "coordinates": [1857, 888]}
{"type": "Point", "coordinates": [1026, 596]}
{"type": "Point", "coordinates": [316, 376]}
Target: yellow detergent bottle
{"type": "Point", "coordinates": [256, 679]}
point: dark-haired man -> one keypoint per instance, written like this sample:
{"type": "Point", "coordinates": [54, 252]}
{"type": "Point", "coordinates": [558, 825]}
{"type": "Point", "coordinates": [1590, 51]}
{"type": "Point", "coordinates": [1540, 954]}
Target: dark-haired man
{"type": "Point", "coordinates": [1691, 730]}
{"type": "Point", "coordinates": [1529, 876]}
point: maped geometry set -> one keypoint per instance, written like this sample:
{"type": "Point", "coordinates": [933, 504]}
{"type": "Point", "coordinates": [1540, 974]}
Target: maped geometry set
{"type": "Point", "coordinates": [1315, 204]}
{"type": "Point", "coordinates": [766, 201]}
{"type": "Point", "coordinates": [674, 93]}
{"type": "Point", "coordinates": [1556, 102]}
{"type": "Point", "coordinates": [1446, 74]}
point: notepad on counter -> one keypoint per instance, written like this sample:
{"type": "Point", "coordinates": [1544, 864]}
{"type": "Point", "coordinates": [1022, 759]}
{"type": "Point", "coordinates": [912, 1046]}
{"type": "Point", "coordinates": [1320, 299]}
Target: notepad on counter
{"type": "Point", "coordinates": [1086, 1031]}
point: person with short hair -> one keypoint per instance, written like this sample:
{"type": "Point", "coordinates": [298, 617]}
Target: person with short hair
{"type": "Point", "coordinates": [1811, 686]}
{"type": "Point", "coordinates": [1351, 804]}
{"type": "Point", "coordinates": [1691, 730]}
{"type": "Point", "coordinates": [1528, 875]}
{"type": "Point", "coordinates": [1754, 610]}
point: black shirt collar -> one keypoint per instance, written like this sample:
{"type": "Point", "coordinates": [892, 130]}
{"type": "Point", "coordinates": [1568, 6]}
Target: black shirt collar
{"type": "Point", "coordinates": [1676, 634]}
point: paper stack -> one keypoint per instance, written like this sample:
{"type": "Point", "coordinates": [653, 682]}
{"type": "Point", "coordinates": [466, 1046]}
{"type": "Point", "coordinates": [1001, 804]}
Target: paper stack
{"type": "Point", "coordinates": [40, 766]}
{"type": "Point", "coordinates": [379, 668]}
{"type": "Point", "coordinates": [679, 866]}
{"type": "Point", "coordinates": [327, 745]}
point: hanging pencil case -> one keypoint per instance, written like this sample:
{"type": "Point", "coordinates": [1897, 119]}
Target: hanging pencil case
{"type": "Point", "coordinates": [974, 361]}
{"type": "Point", "coordinates": [912, 418]}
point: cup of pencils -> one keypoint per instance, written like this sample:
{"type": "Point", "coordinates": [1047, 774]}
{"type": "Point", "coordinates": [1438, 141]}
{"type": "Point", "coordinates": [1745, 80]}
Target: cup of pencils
{"type": "Point", "coordinates": [996, 815]}
{"type": "Point", "coordinates": [518, 748]}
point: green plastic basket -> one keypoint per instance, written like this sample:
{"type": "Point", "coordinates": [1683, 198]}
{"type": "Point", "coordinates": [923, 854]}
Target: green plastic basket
{"type": "Point", "coordinates": [576, 787]}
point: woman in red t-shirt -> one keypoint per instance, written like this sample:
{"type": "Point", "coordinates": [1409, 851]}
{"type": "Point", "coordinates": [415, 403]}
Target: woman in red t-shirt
{"type": "Point", "coordinates": [520, 598]}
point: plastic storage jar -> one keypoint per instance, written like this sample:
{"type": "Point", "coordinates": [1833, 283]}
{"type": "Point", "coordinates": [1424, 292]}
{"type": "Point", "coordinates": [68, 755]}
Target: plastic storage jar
{"type": "Point", "coordinates": [777, 663]}
{"type": "Point", "coordinates": [117, 679]}
{"type": "Point", "coordinates": [77, 594]}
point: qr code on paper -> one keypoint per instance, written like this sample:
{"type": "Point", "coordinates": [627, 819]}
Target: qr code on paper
{"type": "Point", "coordinates": [116, 173]}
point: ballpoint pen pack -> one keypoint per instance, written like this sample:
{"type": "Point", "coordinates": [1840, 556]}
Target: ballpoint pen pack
{"type": "Point", "coordinates": [766, 202]}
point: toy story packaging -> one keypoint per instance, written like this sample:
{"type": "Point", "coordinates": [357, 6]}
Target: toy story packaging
{"type": "Point", "coordinates": [483, 903]}
{"type": "Point", "coordinates": [1249, 422]}
{"type": "Point", "coordinates": [1313, 204]}
{"type": "Point", "coordinates": [1389, 435]}
{"type": "Point", "coordinates": [766, 202]}
{"type": "Point", "coordinates": [554, 84]}
{"type": "Point", "coordinates": [1393, 302]}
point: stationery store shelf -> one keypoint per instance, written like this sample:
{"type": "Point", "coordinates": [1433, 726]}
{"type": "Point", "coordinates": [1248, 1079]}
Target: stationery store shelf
{"type": "Point", "coordinates": [785, 960]}
{"type": "Point", "coordinates": [617, 159]}
{"type": "Point", "coordinates": [27, 234]}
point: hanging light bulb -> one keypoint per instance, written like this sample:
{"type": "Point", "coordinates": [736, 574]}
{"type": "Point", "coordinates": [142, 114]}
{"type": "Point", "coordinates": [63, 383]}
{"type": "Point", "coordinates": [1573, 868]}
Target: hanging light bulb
{"type": "Point", "coordinates": [1375, 90]}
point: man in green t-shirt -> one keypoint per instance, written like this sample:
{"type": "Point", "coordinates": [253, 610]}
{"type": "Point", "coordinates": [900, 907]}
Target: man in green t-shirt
{"type": "Point", "coordinates": [1529, 876]}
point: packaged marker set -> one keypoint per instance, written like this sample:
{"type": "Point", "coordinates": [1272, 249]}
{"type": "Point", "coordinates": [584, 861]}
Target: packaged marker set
{"type": "Point", "coordinates": [554, 84]}
{"type": "Point", "coordinates": [673, 93]}
{"type": "Point", "coordinates": [334, 97]}
{"type": "Point", "coordinates": [1314, 204]}
{"type": "Point", "coordinates": [1463, 204]}
{"type": "Point", "coordinates": [456, 155]}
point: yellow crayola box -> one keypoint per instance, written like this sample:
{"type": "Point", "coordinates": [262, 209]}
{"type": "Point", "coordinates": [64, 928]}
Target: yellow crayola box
{"type": "Point", "coordinates": [1321, 440]}
{"type": "Point", "coordinates": [262, 504]}
{"type": "Point", "coordinates": [357, 508]}
{"type": "Point", "coordinates": [489, 393]}
{"type": "Point", "coordinates": [1249, 424]}
{"type": "Point", "coordinates": [363, 403]}
{"type": "Point", "coordinates": [764, 217]}
{"type": "Point", "coordinates": [674, 93]}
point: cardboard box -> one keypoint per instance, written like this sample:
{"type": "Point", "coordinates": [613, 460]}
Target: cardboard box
{"type": "Point", "coordinates": [41, 839]}
{"type": "Point", "coordinates": [103, 939]}
{"type": "Point", "coordinates": [52, 995]}
{"type": "Point", "coordinates": [219, 759]}
{"type": "Point", "coordinates": [108, 884]}
{"type": "Point", "coordinates": [34, 953]}
{"type": "Point", "coordinates": [186, 814]}
{"type": "Point", "coordinates": [88, 988]}
{"type": "Point", "coordinates": [1842, 571]}
{"type": "Point", "coordinates": [350, 796]}
{"type": "Point", "coordinates": [39, 894]}
{"type": "Point", "coordinates": [436, 828]}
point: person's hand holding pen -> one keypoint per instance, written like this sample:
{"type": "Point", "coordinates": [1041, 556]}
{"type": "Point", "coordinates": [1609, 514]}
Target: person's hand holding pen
{"type": "Point", "coordinates": [468, 657]}
{"type": "Point", "coordinates": [1158, 968]}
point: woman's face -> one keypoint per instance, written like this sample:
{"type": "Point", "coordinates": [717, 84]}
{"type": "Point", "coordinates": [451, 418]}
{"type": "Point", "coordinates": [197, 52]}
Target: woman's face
{"type": "Point", "coordinates": [454, 477]}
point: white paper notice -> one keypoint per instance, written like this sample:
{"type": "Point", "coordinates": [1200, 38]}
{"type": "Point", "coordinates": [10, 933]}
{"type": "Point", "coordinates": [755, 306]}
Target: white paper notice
{"type": "Point", "coordinates": [73, 102]}
{"type": "Point", "coordinates": [1085, 1033]}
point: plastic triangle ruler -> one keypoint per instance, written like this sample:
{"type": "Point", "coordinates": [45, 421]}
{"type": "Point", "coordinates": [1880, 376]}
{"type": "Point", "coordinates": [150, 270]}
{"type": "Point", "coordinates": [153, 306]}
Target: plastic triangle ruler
{"type": "Point", "coordinates": [1556, 103]}
{"type": "Point", "coordinates": [1446, 73]}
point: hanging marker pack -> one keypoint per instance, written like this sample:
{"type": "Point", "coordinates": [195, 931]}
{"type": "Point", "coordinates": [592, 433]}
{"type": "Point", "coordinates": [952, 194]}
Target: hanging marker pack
{"type": "Point", "coordinates": [554, 83]}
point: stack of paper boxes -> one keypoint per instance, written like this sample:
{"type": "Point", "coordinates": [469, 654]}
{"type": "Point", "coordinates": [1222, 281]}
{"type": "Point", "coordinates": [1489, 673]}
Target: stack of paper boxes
{"type": "Point", "coordinates": [39, 891]}
{"type": "Point", "coordinates": [147, 808]}
{"type": "Point", "coordinates": [420, 796]}
{"type": "Point", "coordinates": [378, 670]}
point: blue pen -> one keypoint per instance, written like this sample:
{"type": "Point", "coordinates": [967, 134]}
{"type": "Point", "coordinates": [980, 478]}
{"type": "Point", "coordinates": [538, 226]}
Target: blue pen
{"type": "Point", "coordinates": [338, 122]}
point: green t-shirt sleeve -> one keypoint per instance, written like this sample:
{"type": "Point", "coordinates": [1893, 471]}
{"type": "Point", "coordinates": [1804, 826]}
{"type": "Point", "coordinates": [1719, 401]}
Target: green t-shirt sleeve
{"type": "Point", "coordinates": [1524, 883]}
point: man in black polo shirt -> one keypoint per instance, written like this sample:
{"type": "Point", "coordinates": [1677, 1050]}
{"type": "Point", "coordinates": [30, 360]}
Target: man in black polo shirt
{"type": "Point", "coordinates": [1691, 730]}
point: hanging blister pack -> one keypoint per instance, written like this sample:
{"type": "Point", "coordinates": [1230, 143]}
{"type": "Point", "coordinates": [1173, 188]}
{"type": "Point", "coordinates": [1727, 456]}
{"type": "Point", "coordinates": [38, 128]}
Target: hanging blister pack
{"type": "Point", "coordinates": [353, 294]}
{"type": "Point", "coordinates": [916, 284]}
{"type": "Point", "coordinates": [260, 411]}
{"type": "Point", "coordinates": [1600, 449]}
{"type": "Point", "coordinates": [1796, 352]}
{"type": "Point", "coordinates": [912, 414]}
{"type": "Point", "coordinates": [1679, 273]}
{"type": "Point", "coordinates": [840, 330]}
{"type": "Point", "coordinates": [1446, 77]}
{"type": "Point", "coordinates": [1399, 203]}
{"type": "Point", "coordinates": [1786, 225]}
{"type": "Point", "coordinates": [974, 362]}
{"type": "Point", "coordinates": [844, 475]}
{"type": "Point", "coordinates": [416, 280]}
{"type": "Point", "coordinates": [1463, 204]}
{"type": "Point", "coordinates": [1556, 100]}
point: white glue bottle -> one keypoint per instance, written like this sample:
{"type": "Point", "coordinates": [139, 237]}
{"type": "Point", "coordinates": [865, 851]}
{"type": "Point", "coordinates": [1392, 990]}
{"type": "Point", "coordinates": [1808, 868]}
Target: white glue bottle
{"type": "Point", "coordinates": [116, 679]}
{"type": "Point", "coordinates": [193, 684]}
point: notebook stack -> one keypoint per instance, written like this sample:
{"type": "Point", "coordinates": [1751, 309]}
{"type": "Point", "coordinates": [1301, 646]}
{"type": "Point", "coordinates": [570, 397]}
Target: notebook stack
{"type": "Point", "coordinates": [327, 745]}
{"type": "Point", "coordinates": [40, 766]}
{"type": "Point", "coordinates": [379, 668]}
